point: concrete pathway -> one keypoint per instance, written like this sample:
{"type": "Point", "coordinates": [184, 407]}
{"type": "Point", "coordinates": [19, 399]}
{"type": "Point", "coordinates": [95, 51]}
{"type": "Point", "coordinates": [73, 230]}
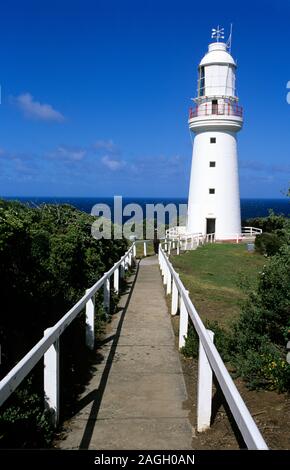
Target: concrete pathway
{"type": "Point", "coordinates": [136, 397]}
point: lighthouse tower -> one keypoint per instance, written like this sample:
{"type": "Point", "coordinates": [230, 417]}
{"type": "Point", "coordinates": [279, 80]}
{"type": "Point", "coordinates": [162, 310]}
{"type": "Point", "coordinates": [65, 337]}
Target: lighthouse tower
{"type": "Point", "coordinates": [214, 199]}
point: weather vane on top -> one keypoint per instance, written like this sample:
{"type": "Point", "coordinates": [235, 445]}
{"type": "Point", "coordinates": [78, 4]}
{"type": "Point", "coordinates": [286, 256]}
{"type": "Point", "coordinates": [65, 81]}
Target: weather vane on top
{"type": "Point", "coordinates": [218, 33]}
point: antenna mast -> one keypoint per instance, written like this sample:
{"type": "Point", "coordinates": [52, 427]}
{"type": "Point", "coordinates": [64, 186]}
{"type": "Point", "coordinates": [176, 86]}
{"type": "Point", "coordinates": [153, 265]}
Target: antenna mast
{"type": "Point", "coordinates": [229, 41]}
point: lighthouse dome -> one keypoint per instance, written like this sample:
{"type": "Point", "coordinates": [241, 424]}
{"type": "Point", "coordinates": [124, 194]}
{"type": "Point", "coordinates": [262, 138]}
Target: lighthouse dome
{"type": "Point", "coordinates": [217, 54]}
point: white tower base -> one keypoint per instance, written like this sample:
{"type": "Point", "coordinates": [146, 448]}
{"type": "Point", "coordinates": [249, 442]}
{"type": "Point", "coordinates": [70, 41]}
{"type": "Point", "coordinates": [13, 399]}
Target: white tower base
{"type": "Point", "coordinates": [214, 199]}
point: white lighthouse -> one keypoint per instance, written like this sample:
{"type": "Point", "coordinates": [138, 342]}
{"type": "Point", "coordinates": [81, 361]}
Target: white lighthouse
{"type": "Point", "coordinates": [214, 199]}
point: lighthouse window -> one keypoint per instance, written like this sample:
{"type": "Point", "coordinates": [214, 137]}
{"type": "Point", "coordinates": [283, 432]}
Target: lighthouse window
{"type": "Point", "coordinates": [212, 164]}
{"type": "Point", "coordinates": [211, 191]}
{"type": "Point", "coordinates": [212, 140]}
{"type": "Point", "coordinates": [201, 82]}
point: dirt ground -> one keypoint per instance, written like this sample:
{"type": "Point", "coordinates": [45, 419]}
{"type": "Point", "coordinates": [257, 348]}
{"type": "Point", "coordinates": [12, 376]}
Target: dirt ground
{"type": "Point", "coordinates": [270, 410]}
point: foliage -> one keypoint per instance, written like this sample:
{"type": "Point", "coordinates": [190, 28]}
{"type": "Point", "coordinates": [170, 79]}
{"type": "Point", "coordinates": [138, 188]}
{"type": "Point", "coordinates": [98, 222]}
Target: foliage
{"type": "Point", "coordinates": [258, 344]}
{"type": "Point", "coordinates": [48, 258]}
{"type": "Point", "coordinates": [269, 224]}
{"type": "Point", "coordinates": [25, 420]}
{"type": "Point", "coordinates": [222, 341]}
{"type": "Point", "coordinates": [264, 367]}
{"type": "Point", "coordinates": [190, 349]}
{"type": "Point", "coordinates": [268, 243]}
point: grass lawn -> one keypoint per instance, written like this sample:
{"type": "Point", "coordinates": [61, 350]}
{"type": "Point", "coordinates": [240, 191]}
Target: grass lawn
{"type": "Point", "coordinates": [213, 274]}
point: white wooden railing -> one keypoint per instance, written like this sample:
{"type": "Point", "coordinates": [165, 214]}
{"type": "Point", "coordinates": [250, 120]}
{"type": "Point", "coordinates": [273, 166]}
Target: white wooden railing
{"type": "Point", "coordinates": [48, 346]}
{"type": "Point", "coordinates": [189, 240]}
{"type": "Point", "coordinates": [209, 361]}
{"type": "Point", "coordinates": [252, 231]}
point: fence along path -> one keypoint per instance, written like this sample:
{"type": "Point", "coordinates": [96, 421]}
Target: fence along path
{"type": "Point", "coordinates": [136, 398]}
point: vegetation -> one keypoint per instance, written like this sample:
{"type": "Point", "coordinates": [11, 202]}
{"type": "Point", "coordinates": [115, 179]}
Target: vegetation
{"type": "Point", "coordinates": [260, 334]}
{"type": "Point", "coordinates": [245, 299]}
{"type": "Point", "coordinates": [276, 229]}
{"type": "Point", "coordinates": [48, 258]}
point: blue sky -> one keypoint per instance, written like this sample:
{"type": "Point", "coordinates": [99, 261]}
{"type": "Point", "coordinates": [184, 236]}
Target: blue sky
{"type": "Point", "coordinates": [95, 94]}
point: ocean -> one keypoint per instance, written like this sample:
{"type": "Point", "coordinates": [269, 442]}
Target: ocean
{"type": "Point", "coordinates": [249, 207]}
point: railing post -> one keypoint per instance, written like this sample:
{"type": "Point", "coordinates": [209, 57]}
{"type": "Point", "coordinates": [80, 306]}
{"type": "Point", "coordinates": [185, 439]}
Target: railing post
{"type": "Point", "coordinates": [165, 246]}
{"type": "Point", "coordinates": [169, 248]}
{"type": "Point", "coordinates": [107, 295]}
{"type": "Point", "coordinates": [169, 282]}
{"type": "Point", "coordinates": [134, 250]}
{"type": "Point", "coordinates": [165, 273]}
{"type": "Point", "coordinates": [145, 249]}
{"type": "Point", "coordinates": [116, 280]}
{"type": "Point", "coordinates": [174, 299]}
{"type": "Point", "coordinates": [122, 269]}
{"type": "Point", "coordinates": [204, 388]}
{"type": "Point", "coordinates": [178, 247]}
{"type": "Point", "coordinates": [51, 380]}
{"type": "Point", "coordinates": [90, 322]}
{"type": "Point", "coordinates": [163, 264]}
{"type": "Point", "coordinates": [126, 263]}
{"type": "Point", "coordinates": [183, 323]}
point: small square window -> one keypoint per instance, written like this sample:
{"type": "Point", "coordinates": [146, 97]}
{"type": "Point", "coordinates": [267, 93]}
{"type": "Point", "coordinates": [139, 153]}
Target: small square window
{"type": "Point", "coordinates": [211, 191]}
{"type": "Point", "coordinates": [212, 164]}
{"type": "Point", "coordinates": [212, 140]}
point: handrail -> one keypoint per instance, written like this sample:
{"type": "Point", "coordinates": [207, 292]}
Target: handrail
{"type": "Point", "coordinates": [240, 412]}
{"type": "Point", "coordinates": [251, 230]}
{"type": "Point", "coordinates": [18, 373]}
{"type": "Point", "coordinates": [209, 109]}
{"type": "Point", "coordinates": [179, 233]}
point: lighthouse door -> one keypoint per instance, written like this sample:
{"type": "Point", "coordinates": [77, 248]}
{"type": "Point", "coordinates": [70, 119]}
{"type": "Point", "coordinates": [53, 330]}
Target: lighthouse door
{"type": "Point", "coordinates": [210, 226]}
{"type": "Point", "coordinates": [214, 108]}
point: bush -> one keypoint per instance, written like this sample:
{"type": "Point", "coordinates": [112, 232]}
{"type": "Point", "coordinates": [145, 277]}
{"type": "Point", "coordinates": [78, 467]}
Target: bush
{"type": "Point", "coordinates": [48, 258]}
{"type": "Point", "coordinates": [264, 367]}
{"type": "Point", "coordinates": [24, 421]}
{"type": "Point", "coordinates": [268, 243]}
{"type": "Point", "coordinates": [222, 341]}
{"type": "Point", "coordinates": [259, 335]}
{"type": "Point", "coordinates": [190, 349]}
{"type": "Point", "coordinates": [269, 224]}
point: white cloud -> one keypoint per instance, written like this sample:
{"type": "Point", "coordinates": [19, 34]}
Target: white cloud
{"type": "Point", "coordinates": [107, 145]}
{"type": "Point", "coordinates": [66, 153]}
{"type": "Point", "coordinates": [71, 153]}
{"type": "Point", "coordinates": [112, 163]}
{"type": "Point", "coordinates": [35, 110]}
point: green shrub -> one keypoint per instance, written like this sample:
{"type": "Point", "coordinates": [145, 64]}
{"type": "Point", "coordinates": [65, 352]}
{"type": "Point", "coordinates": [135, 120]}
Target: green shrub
{"type": "Point", "coordinates": [190, 349]}
{"type": "Point", "coordinates": [48, 258]}
{"type": "Point", "coordinates": [268, 243]}
{"type": "Point", "coordinates": [222, 341]}
{"type": "Point", "coordinates": [23, 421]}
{"type": "Point", "coordinates": [259, 335]}
{"type": "Point", "coordinates": [269, 224]}
{"type": "Point", "coordinates": [264, 367]}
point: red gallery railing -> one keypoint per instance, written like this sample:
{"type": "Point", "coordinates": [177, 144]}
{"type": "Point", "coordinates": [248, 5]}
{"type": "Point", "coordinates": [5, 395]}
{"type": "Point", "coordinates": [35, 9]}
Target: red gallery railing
{"type": "Point", "coordinates": [209, 109]}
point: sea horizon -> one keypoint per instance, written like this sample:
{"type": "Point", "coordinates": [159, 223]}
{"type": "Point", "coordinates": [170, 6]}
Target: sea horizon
{"type": "Point", "coordinates": [250, 207]}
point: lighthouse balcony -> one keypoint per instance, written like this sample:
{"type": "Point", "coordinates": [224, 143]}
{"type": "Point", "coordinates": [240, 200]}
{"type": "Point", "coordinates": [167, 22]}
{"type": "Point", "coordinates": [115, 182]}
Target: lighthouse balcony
{"type": "Point", "coordinates": [209, 109]}
{"type": "Point", "coordinates": [206, 116]}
